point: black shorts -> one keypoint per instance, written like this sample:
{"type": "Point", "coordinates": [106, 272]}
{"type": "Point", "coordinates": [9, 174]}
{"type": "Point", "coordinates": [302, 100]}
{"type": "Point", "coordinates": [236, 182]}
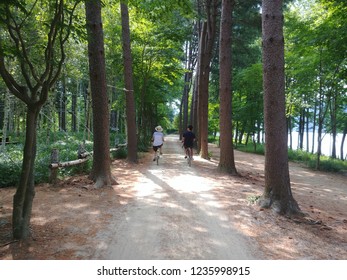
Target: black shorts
{"type": "Point", "coordinates": [155, 148]}
{"type": "Point", "coordinates": [186, 146]}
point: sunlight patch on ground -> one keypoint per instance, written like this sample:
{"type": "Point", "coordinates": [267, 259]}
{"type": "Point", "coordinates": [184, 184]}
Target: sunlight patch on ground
{"type": "Point", "coordinates": [189, 183]}
{"type": "Point", "coordinates": [76, 206]}
{"type": "Point", "coordinates": [144, 190]}
{"type": "Point", "coordinates": [39, 220]}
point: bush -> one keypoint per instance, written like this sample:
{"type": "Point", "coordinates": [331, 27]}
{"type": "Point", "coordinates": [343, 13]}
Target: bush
{"type": "Point", "coordinates": [212, 139]}
{"type": "Point", "coordinates": [121, 153]}
{"type": "Point", "coordinates": [9, 173]}
{"type": "Point", "coordinates": [329, 164]}
{"type": "Point", "coordinates": [301, 156]}
{"type": "Point", "coordinates": [10, 165]}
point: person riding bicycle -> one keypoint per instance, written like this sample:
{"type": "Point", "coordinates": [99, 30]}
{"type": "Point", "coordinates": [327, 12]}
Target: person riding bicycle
{"type": "Point", "coordinates": [188, 140]}
{"type": "Point", "coordinates": [158, 140]}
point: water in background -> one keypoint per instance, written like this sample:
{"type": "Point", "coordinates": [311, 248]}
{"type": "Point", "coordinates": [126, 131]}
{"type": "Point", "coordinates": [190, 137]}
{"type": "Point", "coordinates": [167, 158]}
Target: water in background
{"type": "Point", "coordinates": [326, 143]}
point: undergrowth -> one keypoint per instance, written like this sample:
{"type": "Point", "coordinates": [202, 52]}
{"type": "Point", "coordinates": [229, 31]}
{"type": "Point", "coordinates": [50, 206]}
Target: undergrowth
{"type": "Point", "coordinates": [308, 159]}
{"type": "Point", "coordinates": [66, 144]}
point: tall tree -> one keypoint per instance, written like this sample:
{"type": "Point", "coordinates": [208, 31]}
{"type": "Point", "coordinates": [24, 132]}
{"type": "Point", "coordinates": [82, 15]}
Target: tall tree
{"type": "Point", "coordinates": [101, 171]}
{"type": "Point", "coordinates": [227, 161]}
{"type": "Point", "coordinates": [190, 61]}
{"type": "Point", "coordinates": [40, 59]}
{"type": "Point", "coordinates": [129, 87]}
{"type": "Point", "coordinates": [7, 108]}
{"type": "Point", "coordinates": [277, 193]}
{"type": "Point", "coordinates": [207, 40]}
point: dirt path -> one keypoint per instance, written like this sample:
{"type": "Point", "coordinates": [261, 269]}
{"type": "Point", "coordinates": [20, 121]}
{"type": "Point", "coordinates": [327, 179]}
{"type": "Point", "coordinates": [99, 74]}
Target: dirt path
{"type": "Point", "coordinates": [172, 211]}
{"type": "Point", "coordinates": [175, 215]}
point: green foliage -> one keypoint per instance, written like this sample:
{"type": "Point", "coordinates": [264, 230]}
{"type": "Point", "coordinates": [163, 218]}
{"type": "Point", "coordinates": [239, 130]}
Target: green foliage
{"type": "Point", "coordinates": [121, 153]}
{"type": "Point", "coordinates": [66, 144]}
{"type": "Point", "coordinates": [213, 139]}
{"type": "Point", "coordinates": [300, 155]}
{"type": "Point", "coordinates": [10, 165]}
{"type": "Point", "coordinates": [213, 118]}
{"type": "Point", "coordinates": [326, 163]}
{"type": "Point", "coordinates": [330, 165]}
{"type": "Point", "coordinates": [248, 98]}
{"type": "Point", "coordinates": [310, 160]}
{"type": "Point", "coordinates": [143, 144]}
{"type": "Point", "coordinates": [253, 199]}
{"type": "Point", "coordinates": [250, 148]}
{"type": "Point", "coordinates": [316, 45]}
{"type": "Point", "coordinates": [157, 37]}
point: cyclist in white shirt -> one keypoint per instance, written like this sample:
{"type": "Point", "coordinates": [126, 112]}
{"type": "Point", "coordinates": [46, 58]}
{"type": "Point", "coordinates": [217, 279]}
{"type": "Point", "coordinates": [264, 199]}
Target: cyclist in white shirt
{"type": "Point", "coordinates": [158, 140]}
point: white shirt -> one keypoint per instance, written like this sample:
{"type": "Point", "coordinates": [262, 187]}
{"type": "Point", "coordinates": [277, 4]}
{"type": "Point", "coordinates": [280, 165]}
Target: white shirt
{"type": "Point", "coordinates": [158, 138]}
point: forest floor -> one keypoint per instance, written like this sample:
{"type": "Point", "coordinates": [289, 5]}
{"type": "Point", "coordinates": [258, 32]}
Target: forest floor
{"type": "Point", "coordinates": [172, 211]}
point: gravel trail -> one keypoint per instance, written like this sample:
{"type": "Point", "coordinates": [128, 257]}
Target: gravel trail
{"type": "Point", "coordinates": [174, 215]}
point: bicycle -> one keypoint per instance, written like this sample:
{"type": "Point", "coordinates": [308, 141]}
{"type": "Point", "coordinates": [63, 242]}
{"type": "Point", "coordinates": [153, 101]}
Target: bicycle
{"type": "Point", "coordinates": [189, 153]}
{"type": "Point", "coordinates": [157, 155]}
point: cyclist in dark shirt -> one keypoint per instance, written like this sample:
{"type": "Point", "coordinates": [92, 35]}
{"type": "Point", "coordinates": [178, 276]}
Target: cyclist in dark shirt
{"type": "Point", "coordinates": [188, 140]}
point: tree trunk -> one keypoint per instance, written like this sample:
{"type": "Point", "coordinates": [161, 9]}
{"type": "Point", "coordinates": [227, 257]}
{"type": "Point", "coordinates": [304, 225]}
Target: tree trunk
{"type": "Point", "coordinates": [101, 171]}
{"type": "Point", "coordinates": [7, 107]}
{"type": "Point", "coordinates": [277, 193]}
{"type": "Point", "coordinates": [194, 112]}
{"type": "Point", "coordinates": [301, 129]}
{"type": "Point", "coordinates": [290, 128]}
{"type": "Point", "coordinates": [180, 118]}
{"type": "Point", "coordinates": [74, 109]}
{"type": "Point", "coordinates": [129, 93]}
{"type": "Point", "coordinates": [227, 161]}
{"type": "Point", "coordinates": [205, 55]}
{"type": "Point", "coordinates": [189, 68]}
{"type": "Point", "coordinates": [333, 121]}
{"type": "Point", "coordinates": [321, 113]}
{"type": "Point", "coordinates": [342, 155]}
{"type": "Point", "coordinates": [185, 101]}
{"type": "Point", "coordinates": [314, 126]}
{"type": "Point", "coordinates": [307, 122]}
{"type": "Point", "coordinates": [203, 82]}
{"type": "Point", "coordinates": [62, 108]}
{"type": "Point", "coordinates": [183, 120]}
{"type": "Point", "coordinates": [24, 196]}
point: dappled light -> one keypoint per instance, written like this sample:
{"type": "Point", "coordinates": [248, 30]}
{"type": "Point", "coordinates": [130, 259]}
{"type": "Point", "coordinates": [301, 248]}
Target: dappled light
{"type": "Point", "coordinates": [173, 211]}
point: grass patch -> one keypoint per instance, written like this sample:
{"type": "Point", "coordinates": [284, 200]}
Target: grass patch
{"type": "Point", "coordinates": [251, 148]}
{"type": "Point", "coordinates": [253, 199]}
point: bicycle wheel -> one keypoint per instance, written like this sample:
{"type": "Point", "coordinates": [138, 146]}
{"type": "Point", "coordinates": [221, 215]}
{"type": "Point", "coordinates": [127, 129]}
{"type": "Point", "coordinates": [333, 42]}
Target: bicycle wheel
{"type": "Point", "coordinates": [189, 157]}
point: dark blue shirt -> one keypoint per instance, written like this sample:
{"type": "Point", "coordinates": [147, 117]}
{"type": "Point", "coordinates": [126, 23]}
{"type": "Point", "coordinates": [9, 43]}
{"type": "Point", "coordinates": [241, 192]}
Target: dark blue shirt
{"type": "Point", "coordinates": [189, 137]}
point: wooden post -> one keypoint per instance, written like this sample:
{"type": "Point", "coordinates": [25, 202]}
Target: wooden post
{"type": "Point", "coordinates": [81, 151]}
{"type": "Point", "coordinates": [81, 154]}
{"type": "Point", "coordinates": [54, 171]}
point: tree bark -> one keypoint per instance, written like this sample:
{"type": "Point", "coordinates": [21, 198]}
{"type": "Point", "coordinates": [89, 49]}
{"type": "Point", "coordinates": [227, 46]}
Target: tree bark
{"type": "Point", "coordinates": [7, 108]}
{"type": "Point", "coordinates": [24, 196]}
{"type": "Point", "coordinates": [227, 161]}
{"type": "Point", "coordinates": [129, 88]}
{"type": "Point", "coordinates": [277, 193]}
{"type": "Point", "coordinates": [202, 95]}
{"type": "Point", "coordinates": [205, 55]}
{"type": "Point", "coordinates": [74, 109]}
{"type": "Point", "coordinates": [101, 171]}
{"type": "Point", "coordinates": [343, 142]}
